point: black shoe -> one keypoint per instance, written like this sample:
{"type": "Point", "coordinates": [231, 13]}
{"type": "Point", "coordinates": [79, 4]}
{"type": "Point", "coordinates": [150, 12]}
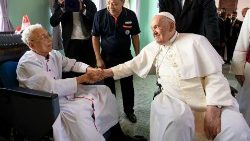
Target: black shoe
{"type": "Point", "coordinates": [131, 117]}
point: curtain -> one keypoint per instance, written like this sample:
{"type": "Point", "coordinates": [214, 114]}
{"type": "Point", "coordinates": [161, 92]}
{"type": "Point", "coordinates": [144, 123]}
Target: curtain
{"type": "Point", "coordinates": [5, 24]}
{"type": "Point", "coordinates": [56, 31]}
{"type": "Point", "coordinates": [137, 9]}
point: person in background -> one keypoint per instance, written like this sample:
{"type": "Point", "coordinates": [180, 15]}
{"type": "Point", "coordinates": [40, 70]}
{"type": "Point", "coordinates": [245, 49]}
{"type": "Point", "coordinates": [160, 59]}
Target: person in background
{"type": "Point", "coordinates": [221, 20]}
{"type": "Point", "coordinates": [240, 67]}
{"type": "Point", "coordinates": [76, 22]}
{"type": "Point", "coordinates": [244, 11]}
{"type": "Point", "coordinates": [87, 112]}
{"type": "Point", "coordinates": [113, 29]}
{"type": "Point", "coordinates": [195, 16]}
{"type": "Point", "coordinates": [232, 30]}
{"type": "Point", "coordinates": [187, 82]}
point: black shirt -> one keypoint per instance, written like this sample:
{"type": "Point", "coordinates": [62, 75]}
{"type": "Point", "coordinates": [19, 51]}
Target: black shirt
{"type": "Point", "coordinates": [115, 33]}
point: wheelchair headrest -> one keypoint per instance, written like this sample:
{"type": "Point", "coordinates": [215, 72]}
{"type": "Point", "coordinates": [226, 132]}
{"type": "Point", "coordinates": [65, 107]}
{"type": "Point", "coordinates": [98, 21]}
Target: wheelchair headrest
{"type": "Point", "coordinates": [8, 75]}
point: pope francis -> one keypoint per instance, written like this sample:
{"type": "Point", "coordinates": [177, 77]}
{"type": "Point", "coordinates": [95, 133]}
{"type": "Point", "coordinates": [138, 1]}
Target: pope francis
{"type": "Point", "coordinates": [189, 74]}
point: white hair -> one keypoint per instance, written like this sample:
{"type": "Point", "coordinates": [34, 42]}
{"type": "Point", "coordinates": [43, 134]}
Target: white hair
{"type": "Point", "coordinates": [27, 32]}
{"type": "Point", "coordinates": [167, 15]}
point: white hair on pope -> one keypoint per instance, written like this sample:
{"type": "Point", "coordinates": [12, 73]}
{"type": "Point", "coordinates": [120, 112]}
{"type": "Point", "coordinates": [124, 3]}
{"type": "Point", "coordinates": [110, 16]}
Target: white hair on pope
{"type": "Point", "coordinates": [166, 14]}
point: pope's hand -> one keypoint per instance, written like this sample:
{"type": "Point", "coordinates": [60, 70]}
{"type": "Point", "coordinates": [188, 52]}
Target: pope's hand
{"type": "Point", "coordinates": [212, 121]}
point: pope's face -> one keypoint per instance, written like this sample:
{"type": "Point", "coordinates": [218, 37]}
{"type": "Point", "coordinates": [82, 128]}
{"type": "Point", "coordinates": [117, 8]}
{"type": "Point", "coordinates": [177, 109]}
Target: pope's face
{"type": "Point", "coordinates": [115, 7]}
{"type": "Point", "coordinates": [161, 29]}
{"type": "Point", "coordinates": [40, 41]}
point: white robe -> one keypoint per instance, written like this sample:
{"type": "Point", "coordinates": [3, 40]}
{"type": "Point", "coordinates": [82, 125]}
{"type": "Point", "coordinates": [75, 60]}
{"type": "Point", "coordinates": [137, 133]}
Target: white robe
{"type": "Point", "coordinates": [189, 61]}
{"type": "Point", "coordinates": [241, 67]}
{"type": "Point", "coordinates": [74, 121]}
{"type": "Point", "coordinates": [198, 59]}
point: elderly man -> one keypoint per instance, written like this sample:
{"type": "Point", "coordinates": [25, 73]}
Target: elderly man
{"type": "Point", "coordinates": [88, 112]}
{"type": "Point", "coordinates": [113, 29]}
{"type": "Point", "coordinates": [188, 82]}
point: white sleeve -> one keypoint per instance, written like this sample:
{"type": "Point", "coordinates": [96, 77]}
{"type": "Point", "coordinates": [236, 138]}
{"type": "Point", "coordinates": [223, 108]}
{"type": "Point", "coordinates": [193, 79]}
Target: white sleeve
{"type": "Point", "coordinates": [32, 75]}
{"type": "Point", "coordinates": [72, 65]}
{"type": "Point", "coordinates": [217, 90]}
{"type": "Point", "coordinates": [242, 47]}
{"type": "Point", "coordinates": [140, 65]}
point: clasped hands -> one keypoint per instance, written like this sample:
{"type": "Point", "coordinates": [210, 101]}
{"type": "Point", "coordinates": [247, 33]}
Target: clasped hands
{"type": "Point", "coordinates": [93, 75]}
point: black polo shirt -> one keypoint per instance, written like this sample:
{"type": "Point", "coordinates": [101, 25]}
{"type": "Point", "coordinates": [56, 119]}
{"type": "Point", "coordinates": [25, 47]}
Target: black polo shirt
{"type": "Point", "coordinates": [115, 34]}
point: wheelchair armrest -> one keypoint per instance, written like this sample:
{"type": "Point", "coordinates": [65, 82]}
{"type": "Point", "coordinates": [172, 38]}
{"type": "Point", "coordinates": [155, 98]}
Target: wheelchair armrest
{"type": "Point", "coordinates": [32, 112]}
{"type": "Point", "coordinates": [31, 93]}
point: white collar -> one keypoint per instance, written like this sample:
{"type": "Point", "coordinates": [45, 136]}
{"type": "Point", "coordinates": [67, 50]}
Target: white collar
{"type": "Point", "coordinates": [171, 41]}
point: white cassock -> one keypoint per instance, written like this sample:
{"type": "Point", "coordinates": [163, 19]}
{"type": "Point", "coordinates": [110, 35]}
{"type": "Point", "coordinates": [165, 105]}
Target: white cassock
{"type": "Point", "coordinates": [77, 102]}
{"type": "Point", "coordinates": [187, 66]}
{"type": "Point", "coordinates": [241, 67]}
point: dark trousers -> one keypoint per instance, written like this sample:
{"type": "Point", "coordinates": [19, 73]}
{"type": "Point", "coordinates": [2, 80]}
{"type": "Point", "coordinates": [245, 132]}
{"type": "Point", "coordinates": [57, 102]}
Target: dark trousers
{"type": "Point", "coordinates": [82, 51]}
{"type": "Point", "coordinates": [230, 48]}
{"type": "Point", "coordinates": [114, 133]}
{"type": "Point", "coordinates": [127, 87]}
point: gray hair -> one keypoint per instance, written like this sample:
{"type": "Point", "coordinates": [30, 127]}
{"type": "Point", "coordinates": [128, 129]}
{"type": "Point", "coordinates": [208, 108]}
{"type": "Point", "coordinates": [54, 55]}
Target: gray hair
{"type": "Point", "coordinates": [27, 32]}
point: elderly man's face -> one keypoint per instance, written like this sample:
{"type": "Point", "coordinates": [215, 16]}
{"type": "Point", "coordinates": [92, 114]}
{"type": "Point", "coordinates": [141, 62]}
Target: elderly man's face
{"type": "Point", "coordinates": [115, 7]}
{"type": "Point", "coordinates": [162, 30]}
{"type": "Point", "coordinates": [40, 42]}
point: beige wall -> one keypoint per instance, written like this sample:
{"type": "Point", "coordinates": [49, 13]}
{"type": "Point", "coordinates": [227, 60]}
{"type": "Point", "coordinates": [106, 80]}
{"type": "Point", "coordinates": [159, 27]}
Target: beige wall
{"type": "Point", "coordinates": [242, 4]}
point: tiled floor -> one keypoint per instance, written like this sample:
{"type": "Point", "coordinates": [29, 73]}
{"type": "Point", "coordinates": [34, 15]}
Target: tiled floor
{"type": "Point", "coordinates": [144, 89]}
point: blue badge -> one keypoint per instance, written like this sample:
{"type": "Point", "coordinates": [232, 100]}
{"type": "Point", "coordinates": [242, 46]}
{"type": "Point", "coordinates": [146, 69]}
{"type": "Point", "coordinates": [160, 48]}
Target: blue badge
{"type": "Point", "coordinates": [127, 32]}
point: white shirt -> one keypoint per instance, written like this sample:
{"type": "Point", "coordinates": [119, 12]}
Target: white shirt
{"type": "Point", "coordinates": [45, 75]}
{"type": "Point", "coordinates": [77, 27]}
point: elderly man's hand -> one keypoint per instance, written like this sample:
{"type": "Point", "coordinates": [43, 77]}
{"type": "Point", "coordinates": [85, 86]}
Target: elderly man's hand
{"type": "Point", "coordinates": [212, 121]}
{"type": "Point", "coordinates": [91, 76]}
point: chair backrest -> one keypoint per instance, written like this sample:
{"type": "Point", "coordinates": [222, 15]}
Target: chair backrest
{"type": "Point", "coordinates": [8, 75]}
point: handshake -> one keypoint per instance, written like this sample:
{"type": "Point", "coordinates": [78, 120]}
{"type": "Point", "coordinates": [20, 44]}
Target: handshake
{"type": "Point", "coordinates": [93, 75]}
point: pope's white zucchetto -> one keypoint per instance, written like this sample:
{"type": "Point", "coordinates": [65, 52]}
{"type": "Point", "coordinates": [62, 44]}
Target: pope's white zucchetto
{"type": "Point", "coordinates": [166, 14]}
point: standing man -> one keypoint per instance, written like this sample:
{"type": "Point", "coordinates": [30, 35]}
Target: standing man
{"type": "Point", "coordinates": [195, 16]}
{"type": "Point", "coordinates": [221, 20]}
{"type": "Point", "coordinates": [241, 67]}
{"type": "Point", "coordinates": [113, 29]}
{"type": "Point", "coordinates": [188, 82]}
{"type": "Point", "coordinates": [76, 18]}
{"type": "Point", "coordinates": [232, 32]}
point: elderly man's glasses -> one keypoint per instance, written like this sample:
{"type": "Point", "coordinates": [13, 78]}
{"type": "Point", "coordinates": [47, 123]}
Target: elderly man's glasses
{"type": "Point", "coordinates": [42, 37]}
